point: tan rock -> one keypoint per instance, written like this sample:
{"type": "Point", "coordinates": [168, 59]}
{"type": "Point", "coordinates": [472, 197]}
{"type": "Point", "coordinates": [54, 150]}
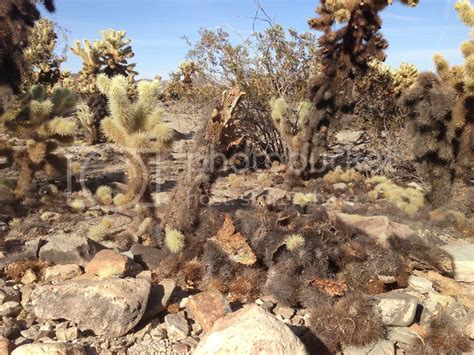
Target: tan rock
{"type": "Point", "coordinates": [50, 216]}
{"type": "Point", "coordinates": [5, 346]}
{"type": "Point", "coordinates": [29, 277]}
{"type": "Point", "coordinates": [464, 293]}
{"type": "Point", "coordinates": [107, 307]}
{"type": "Point", "coordinates": [463, 257]}
{"type": "Point", "coordinates": [250, 330]}
{"type": "Point", "coordinates": [62, 272]}
{"type": "Point", "coordinates": [207, 307]}
{"type": "Point", "coordinates": [379, 228]}
{"type": "Point", "coordinates": [107, 263]}
{"type": "Point", "coordinates": [49, 349]}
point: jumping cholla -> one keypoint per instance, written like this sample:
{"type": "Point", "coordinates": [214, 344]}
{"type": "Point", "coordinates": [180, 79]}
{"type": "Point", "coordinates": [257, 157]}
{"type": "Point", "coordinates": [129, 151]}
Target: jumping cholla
{"type": "Point", "coordinates": [109, 55]}
{"type": "Point", "coordinates": [41, 121]}
{"type": "Point", "coordinates": [44, 64]}
{"type": "Point", "coordinates": [441, 109]}
{"type": "Point", "coordinates": [135, 126]}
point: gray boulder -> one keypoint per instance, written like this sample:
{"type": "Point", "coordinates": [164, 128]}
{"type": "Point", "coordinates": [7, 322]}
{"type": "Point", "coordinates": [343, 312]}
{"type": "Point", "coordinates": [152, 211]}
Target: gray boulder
{"type": "Point", "coordinates": [109, 307]}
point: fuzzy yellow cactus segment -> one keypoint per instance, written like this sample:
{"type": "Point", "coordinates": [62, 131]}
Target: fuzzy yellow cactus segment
{"type": "Point", "coordinates": [465, 12]}
{"type": "Point", "coordinates": [85, 117]}
{"type": "Point", "coordinates": [78, 204]}
{"type": "Point", "coordinates": [99, 232]}
{"type": "Point", "coordinates": [404, 77]}
{"type": "Point", "coordinates": [286, 117]}
{"type": "Point", "coordinates": [37, 151]}
{"type": "Point", "coordinates": [339, 175]}
{"type": "Point", "coordinates": [103, 195]}
{"type": "Point", "coordinates": [15, 223]}
{"type": "Point", "coordinates": [302, 199]}
{"type": "Point", "coordinates": [174, 241]}
{"type": "Point", "coordinates": [294, 241]}
{"type": "Point", "coordinates": [60, 127]}
{"type": "Point", "coordinates": [120, 200]}
{"type": "Point", "coordinates": [408, 199]}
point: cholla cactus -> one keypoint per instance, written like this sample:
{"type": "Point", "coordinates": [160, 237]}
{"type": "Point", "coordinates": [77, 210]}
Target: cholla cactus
{"type": "Point", "coordinates": [288, 117]}
{"type": "Point", "coordinates": [43, 124]}
{"type": "Point", "coordinates": [442, 112]}
{"type": "Point", "coordinates": [188, 69]}
{"type": "Point", "coordinates": [404, 77]}
{"type": "Point", "coordinates": [344, 50]}
{"type": "Point", "coordinates": [109, 56]}
{"type": "Point", "coordinates": [135, 126]}
{"type": "Point", "coordinates": [44, 64]}
{"type": "Point", "coordinates": [181, 82]}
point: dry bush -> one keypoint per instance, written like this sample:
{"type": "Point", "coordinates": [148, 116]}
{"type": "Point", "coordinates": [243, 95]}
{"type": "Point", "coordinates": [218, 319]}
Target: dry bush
{"type": "Point", "coordinates": [269, 64]}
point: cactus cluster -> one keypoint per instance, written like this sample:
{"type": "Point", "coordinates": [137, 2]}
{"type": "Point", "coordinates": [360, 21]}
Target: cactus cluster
{"type": "Point", "coordinates": [16, 19]}
{"type": "Point", "coordinates": [401, 78]}
{"type": "Point", "coordinates": [441, 108]}
{"type": "Point", "coordinates": [136, 126]}
{"type": "Point", "coordinates": [181, 82]}
{"type": "Point", "coordinates": [44, 64]}
{"type": "Point", "coordinates": [109, 56]}
{"type": "Point", "coordinates": [42, 122]}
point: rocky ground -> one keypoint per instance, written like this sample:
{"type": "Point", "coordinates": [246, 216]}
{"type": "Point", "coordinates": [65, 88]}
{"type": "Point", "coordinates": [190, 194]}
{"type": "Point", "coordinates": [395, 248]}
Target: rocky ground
{"type": "Point", "coordinates": [63, 293]}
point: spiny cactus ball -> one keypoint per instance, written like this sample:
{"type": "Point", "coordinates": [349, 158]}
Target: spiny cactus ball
{"type": "Point", "coordinates": [174, 241]}
{"type": "Point", "coordinates": [294, 242]}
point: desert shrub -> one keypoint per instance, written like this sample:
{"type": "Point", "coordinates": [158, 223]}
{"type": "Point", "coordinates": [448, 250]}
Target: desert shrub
{"type": "Point", "coordinates": [270, 64]}
{"type": "Point", "coordinates": [42, 121]}
{"type": "Point", "coordinates": [379, 92]}
{"type": "Point", "coordinates": [181, 83]}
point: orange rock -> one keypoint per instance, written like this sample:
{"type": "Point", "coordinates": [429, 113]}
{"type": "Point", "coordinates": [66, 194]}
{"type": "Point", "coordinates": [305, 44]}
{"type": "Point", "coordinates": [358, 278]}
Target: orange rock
{"type": "Point", "coordinates": [207, 307]}
{"type": "Point", "coordinates": [234, 244]}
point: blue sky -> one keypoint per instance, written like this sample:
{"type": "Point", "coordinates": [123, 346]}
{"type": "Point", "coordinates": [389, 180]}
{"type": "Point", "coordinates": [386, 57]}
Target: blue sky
{"type": "Point", "coordinates": [156, 27]}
